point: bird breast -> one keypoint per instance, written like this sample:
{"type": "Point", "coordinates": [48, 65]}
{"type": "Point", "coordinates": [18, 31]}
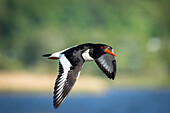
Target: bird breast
{"type": "Point", "coordinates": [87, 56]}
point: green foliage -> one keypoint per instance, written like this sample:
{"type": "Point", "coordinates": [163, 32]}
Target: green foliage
{"type": "Point", "coordinates": [31, 28]}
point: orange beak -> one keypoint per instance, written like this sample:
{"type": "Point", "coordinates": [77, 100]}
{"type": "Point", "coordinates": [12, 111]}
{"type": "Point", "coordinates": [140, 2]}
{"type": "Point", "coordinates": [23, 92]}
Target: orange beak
{"type": "Point", "coordinates": [107, 51]}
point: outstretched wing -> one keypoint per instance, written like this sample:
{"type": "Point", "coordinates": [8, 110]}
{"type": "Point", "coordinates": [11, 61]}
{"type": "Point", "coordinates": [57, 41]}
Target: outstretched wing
{"type": "Point", "coordinates": [107, 63]}
{"type": "Point", "coordinates": [68, 74]}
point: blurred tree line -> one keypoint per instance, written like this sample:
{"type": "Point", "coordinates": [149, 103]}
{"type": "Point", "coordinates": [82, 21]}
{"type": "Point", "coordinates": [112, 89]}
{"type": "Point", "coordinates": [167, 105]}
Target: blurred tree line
{"type": "Point", "coordinates": [138, 30]}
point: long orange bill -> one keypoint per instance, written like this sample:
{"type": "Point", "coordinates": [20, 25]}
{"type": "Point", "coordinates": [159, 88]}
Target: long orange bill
{"type": "Point", "coordinates": [107, 51]}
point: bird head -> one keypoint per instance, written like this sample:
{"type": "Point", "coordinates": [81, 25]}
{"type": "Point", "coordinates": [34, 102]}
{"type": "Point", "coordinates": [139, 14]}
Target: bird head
{"type": "Point", "coordinates": [101, 49]}
{"type": "Point", "coordinates": [107, 49]}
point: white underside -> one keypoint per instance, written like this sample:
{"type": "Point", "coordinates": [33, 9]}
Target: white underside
{"type": "Point", "coordinates": [86, 56]}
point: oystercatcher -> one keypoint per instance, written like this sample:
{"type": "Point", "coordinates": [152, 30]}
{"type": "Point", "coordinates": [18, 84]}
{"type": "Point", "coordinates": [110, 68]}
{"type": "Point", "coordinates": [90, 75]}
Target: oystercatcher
{"type": "Point", "coordinates": [70, 64]}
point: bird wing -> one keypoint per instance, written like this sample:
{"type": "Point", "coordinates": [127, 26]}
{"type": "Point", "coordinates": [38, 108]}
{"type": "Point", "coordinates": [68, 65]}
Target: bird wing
{"type": "Point", "coordinates": [68, 74]}
{"type": "Point", "coordinates": [107, 63]}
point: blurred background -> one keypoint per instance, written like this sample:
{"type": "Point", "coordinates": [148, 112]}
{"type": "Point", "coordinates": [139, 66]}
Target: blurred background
{"type": "Point", "coordinates": [138, 31]}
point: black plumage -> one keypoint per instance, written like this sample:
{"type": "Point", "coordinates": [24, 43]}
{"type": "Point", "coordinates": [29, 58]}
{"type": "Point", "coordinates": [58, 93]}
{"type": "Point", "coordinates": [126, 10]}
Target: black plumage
{"type": "Point", "coordinates": [71, 61]}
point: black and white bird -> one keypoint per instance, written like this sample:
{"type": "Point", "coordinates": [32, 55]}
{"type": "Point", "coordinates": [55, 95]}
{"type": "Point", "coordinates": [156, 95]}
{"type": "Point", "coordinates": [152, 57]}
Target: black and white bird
{"type": "Point", "coordinates": [71, 61]}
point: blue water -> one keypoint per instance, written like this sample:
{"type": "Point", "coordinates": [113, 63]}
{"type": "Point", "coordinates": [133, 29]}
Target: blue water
{"type": "Point", "coordinates": [114, 101]}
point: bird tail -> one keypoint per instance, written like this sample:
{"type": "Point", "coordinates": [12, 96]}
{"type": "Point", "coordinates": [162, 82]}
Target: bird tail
{"type": "Point", "coordinates": [51, 56]}
{"type": "Point", "coordinates": [46, 55]}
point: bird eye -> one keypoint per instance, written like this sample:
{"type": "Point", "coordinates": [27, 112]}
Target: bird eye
{"type": "Point", "coordinates": [101, 47]}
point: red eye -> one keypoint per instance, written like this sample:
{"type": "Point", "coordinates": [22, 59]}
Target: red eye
{"type": "Point", "coordinates": [101, 47]}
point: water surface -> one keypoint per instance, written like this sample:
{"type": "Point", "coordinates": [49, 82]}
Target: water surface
{"type": "Point", "coordinates": [114, 101]}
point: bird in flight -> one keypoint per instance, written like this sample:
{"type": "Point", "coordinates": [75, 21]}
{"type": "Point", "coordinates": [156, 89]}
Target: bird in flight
{"type": "Point", "coordinates": [71, 61]}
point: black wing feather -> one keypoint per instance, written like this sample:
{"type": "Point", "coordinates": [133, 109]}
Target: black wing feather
{"type": "Point", "coordinates": [64, 85]}
{"type": "Point", "coordinates": [107, 63]}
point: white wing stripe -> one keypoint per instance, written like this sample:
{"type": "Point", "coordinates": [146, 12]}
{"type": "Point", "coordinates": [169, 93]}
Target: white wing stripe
{"type": "Point", "coordinates": [105, 64]}
{"type": "Point", "coordinates": [61, 80]}
{"type": "Point", "coordinates": [61, 86]}
{"type": "Point", "coordinates": [58, 93]}
{"type": "Point", "coordinates": [66, 67]}
{"type": "Point", "coordinates": [103, 61]}
{"type": "Point", "coordinates": [60, 83]}
{"type": "Point", "coordinates": [59, 96]}
{"type": "Point", "coordinates": [65, 63]}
